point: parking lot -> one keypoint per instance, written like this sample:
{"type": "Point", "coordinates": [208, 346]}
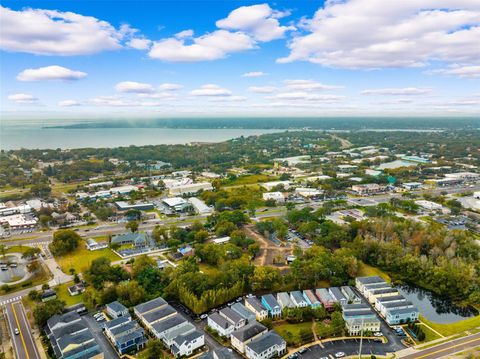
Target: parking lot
{"type": "Point", "coordinates": [346, 346]}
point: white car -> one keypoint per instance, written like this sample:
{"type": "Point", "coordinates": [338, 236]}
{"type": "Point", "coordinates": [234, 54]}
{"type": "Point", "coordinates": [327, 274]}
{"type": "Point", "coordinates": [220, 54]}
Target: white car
{"type": "Point", "coordinates": [339, 355]}
{"type": "Point", "coordinates": [99, 314]}
{"type": "Point", "coordinates": [204, 316]}
{"type": "Point", "coordinates": [100, 318]}
{"type": "Point", "coordinates": [378, 334]}
{"type": "Point", "coordinates": [16, 331]}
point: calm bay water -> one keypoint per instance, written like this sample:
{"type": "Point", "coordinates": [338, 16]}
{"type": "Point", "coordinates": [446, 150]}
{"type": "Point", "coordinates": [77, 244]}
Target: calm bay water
{"type": "Point", "coordinates": [32, 136]}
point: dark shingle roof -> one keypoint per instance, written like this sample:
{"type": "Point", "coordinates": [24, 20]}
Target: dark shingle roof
{"type": "Point", "coordinates": [256, 304]}
{"type": "Point", "coordinates": [249, 331]}
{"type": "Point", "coordinates": [168, 323]}
{"type": "Point", "coordinates": [158, 314]}
{"type": "Point", "coordinates": [370, 279]}
{"type": "Point", "coordinates": [220, 321]}
{"type": "Point", "coordinates": [266, 341]}
{"type": "Point", "coordinates": [116, 306]}
{"type": "Point", "coordinates": [117, 321]}
{"type": "Point", "coordinates": [231, 315]}
{"type": "Point", "coordinates": [271, 301]}
{"type": "Point", "coordinates": [150, 305]}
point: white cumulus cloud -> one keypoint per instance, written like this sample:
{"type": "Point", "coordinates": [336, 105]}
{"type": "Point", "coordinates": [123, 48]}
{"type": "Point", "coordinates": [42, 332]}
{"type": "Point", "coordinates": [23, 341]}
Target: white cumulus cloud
{"type": "Point", "coordinates": [308, 85]}
{"type": "Point", "coordinates": [405, 91]}
{"type": "Point", "coordinates": [261, 21]}
{"type": "Point", "coordinates": [211, 90]}
{"type": "Point", "coordinates": [53, 72]}
{"type": "Point", "coordinates": [262, 89]}
{"type": "Point", "coordinates": [134, 87]}
{"type": "Point", "coordinates": [369, 34]}
{"type": "Point", "coordinates": [254, 74]}
{"type": "Point", "coordinates": [23, 98]}
{"type": "Point", "coordinates": [466, 72]}
{"type": "Point", "coordinates": [212, 46]}
{"type": "Point", "coordinates": [69, 103]}
{"type": "Point", "coordinates": [139, 43]}
{"type": "Point", "coordinates": [52, 32]}
{"type": "Point", "coordinates": [170, 87]}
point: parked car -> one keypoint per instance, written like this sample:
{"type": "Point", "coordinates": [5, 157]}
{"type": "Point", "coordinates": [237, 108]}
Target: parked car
{"type": "Point", "coordinates": [378, 334]}
{"type": "Point", "coordinates": [339, 354]}
{"type": "Point", "coordinates": [204, 316]}
{"type": "Point", "coordinates": [303, 350]}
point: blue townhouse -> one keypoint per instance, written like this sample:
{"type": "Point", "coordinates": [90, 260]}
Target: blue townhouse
{"type": "Point", "coordinates": [270, 303]}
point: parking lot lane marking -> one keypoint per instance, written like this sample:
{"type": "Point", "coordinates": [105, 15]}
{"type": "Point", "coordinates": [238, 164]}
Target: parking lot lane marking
{"type": "Point", "coordinates": [20, 330]}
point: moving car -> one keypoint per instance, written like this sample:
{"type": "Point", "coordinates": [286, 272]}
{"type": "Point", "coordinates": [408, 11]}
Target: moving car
{"type": "Point", "coordinates": [16, 331]}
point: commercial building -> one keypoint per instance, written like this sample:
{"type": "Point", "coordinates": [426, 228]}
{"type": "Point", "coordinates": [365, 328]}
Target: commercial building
{"type": "Point", "coordinates": [278, 197]}
{"type": "Point", "coordinates": [368, 189]}
{"type": "Point", "coordinates": [18, 222]}
{"type": "Point", "coordinates": [308, 192]}
{"type": "Point", "coordinates": [177, 204]}
{"type": "Point", "coordinates": [22, 209]}
{"type": "Point", "coordinates": [429, 205]}
{"type": "Point", "coordinates": [266, 346]}
{"type": "Point", "coordinates": [269, 186]}
{"type": "Point", "coordinates": [410, 186]}
{"type": "Point", "coordinates": [190, 188]}
{"type": "Point", "coordinates": [125, 206]}
{"type": "Point", "coordinates": [199, 206]}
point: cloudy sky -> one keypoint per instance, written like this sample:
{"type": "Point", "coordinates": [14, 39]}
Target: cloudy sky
{"type": "Point", "coordinates": [154, 58]}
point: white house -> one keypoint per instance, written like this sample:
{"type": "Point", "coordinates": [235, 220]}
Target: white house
{"type": "Point", "coordinates": [221, 325]}
{"type": "Point", "coordinates": [241, 337]}
{"type": "Point", "coordinates": [266, 346]}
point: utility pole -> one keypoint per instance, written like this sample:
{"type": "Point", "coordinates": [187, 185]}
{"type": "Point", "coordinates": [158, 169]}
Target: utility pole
{"type": "Point", "coordinates": [361, 340]}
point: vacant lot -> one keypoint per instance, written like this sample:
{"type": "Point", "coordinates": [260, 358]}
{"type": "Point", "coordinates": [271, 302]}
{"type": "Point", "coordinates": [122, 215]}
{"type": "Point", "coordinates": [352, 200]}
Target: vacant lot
{"type": "Point", "coordinates": [81, 258]}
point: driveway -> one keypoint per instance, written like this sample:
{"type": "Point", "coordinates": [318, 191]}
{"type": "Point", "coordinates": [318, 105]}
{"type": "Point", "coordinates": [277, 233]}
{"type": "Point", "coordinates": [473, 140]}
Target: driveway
{"type": "Point", "coordinates": [109, 352]}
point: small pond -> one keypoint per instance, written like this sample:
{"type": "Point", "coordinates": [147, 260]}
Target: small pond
{"type": "Point", "coordinates": [433, 307]}
{"type": "Point", "coordinates": [11, 274]}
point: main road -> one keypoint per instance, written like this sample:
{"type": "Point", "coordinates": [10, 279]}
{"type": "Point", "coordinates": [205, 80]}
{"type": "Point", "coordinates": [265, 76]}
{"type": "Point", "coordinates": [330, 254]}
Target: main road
{"type": "Point", "coordinates": [446, 349]}
{"type": "Point", "coordinates": [23, 342]}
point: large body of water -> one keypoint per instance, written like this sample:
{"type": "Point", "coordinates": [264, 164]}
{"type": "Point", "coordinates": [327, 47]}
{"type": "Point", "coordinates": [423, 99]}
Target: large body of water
{"type": "Point", "coordinates": [434, 307]}
{"type": "Point", "coordinates": [33, 136]}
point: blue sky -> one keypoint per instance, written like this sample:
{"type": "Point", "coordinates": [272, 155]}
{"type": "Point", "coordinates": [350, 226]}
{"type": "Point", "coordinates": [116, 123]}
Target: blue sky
{"type": "Point", "coordinates": [77, 59]}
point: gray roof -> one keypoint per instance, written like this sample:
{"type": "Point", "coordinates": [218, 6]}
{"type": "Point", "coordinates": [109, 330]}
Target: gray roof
{"type": "Point", "coordinates": [243, 311]}
{"type": "Point", "coordinates": [63, 319]}
{"type": "Point", "coordinates": [117, 321]}
{"type": "Point", "coordinates": [123, 328]}
{"type": "Point", "coordinates": [348, 292]}
{"type": "Point", "coordinates": [249, 331]}
{"type": "Point", "coordinates": [265, 342]}
{"type": "Point", "coordinates": [255, 303]}
{"type": "Point", "coordinates": [168, 323]}
{"type": "Point", "coordinates": [220, 321]}
{"type": "Point", "coordinates": [189, 337]}
{"type": "Point", "coordinates": [130, 336]}
{"type": "Point", "coordinates": [337, 294]}
{"type": "Point", "coordinates": [402, 311]}
{"type": "Point", "coordinates": [297, 296]}
{"type": "Point", "coordinates": [79, 338]}
{"type": "Point", "coordinates": [383, 291]}
{"type": "Point", "coordinates": [135, 238]}
{"type": "Point", "coordinates": [231, 315]}
{"type": "Point", "coordinates": [271, 301]}
{"type": "Point", "coordinates": [370, 279]}
{"type": "Point", "coordinates": [390, 298]}
{"type": "Point", "coordinates": [150, 305]}
{"type": "Point", "coordinates": [69, 329]}
{"type": "Point", "coordinates": [358, 306]}
{"type": "Point", "coordinates": [377, 286]}
{"type": "Point", "coordinates": [324, 295]}
{"type": "Point", "coordinates": [357, 313]}
{"type": "Point", "coordinates": [284, 298]}
{"type": "Point", "coordinates": [402, 303]}
{"type": "Point", "coordinates": [223, 353]}
{"type": "Point", "coordinates": [116, 306]}
{"type": "Point", "coordinates": [158, 314]}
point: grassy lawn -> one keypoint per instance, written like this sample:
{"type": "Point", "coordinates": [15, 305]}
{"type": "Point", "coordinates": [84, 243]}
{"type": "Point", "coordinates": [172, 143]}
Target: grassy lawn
{"type": "Point", "coordinates": [208, 269]}
{"type": "Point", "coordinates": [295, 329]}
{"type": "Point", "coordinates": [81, 258]}
{"type": "Point", "coordinates": [366, 270]}
{"type": "Point", "coordinates": [17, 249]}
{"type": "Point", "coordinates": [453, 328]}
{"type": "Point", "coordinates": [429, 335]}
{"type": "Point", "coordinates": [62, 294]}
{"type": "Point", "coordinates": [250, 179]}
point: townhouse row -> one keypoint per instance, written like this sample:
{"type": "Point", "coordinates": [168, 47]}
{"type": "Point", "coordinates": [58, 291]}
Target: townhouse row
{"type": "Point", "coordinates": [169, 326]}
{"type": "Point", "coordinates": [388, 302]}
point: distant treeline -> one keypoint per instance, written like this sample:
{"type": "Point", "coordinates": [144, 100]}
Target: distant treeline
{"type": "Point", "coordinates": [327, 123]}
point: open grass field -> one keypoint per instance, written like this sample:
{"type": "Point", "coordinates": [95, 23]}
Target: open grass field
{"type": "Point", "coordinates": [366, 270]}
{"type": "Point", "coordinates": [81, 258]}
{"type": "Point", "coordinates": [62, 294]}
{"type": "Point", "coordinates": [429, 335]}
{"type": "Point", "coordinates": [249, 179]}
{"type": "Point", "coordinates": [295, 329]}
{"type": "Point", "coordinates": [453, 328]}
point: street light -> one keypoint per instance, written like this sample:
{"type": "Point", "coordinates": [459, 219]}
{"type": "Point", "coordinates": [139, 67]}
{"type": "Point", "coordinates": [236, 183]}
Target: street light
{"type": "Point", "coordinates": [361, 340]}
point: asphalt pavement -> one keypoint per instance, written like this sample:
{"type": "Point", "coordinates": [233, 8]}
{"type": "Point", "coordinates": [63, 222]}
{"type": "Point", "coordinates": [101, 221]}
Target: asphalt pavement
{"type": "Point", "coordinates": [23, 342]}
{"type": "Point", "coordinates": [347, 346]}
{"type": "Point", "coordinates": [97, 332]}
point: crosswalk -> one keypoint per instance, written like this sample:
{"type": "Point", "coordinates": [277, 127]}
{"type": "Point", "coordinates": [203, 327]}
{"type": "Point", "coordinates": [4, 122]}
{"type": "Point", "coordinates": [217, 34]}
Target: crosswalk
{"type": "Point", "coordinates": [11, 300]}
